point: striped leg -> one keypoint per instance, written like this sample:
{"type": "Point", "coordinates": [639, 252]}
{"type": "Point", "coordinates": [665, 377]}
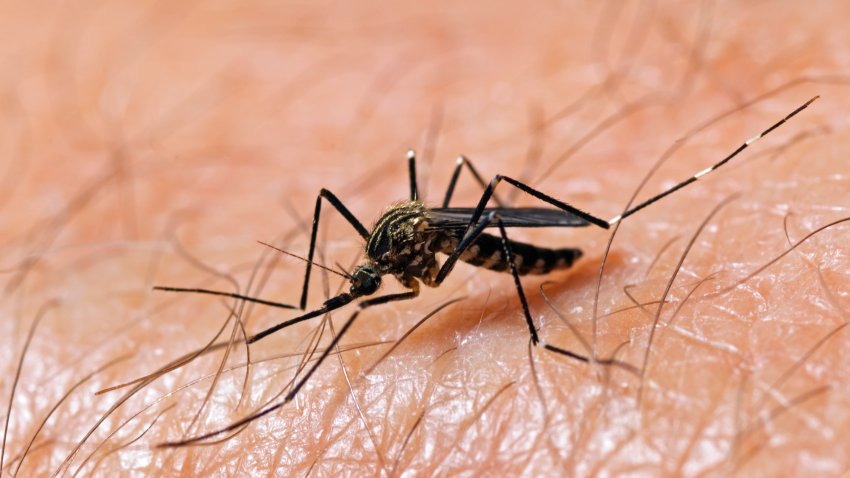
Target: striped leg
{"type": "Point", "coordinates": [535, 338]}
{"type": "Point", "coordinates": [337, 204]}
{"type": "Point", "coordinates": [301, 382]}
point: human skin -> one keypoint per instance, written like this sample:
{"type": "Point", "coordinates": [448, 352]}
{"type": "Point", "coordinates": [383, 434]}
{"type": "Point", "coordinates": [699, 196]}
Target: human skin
{"type": "Point", "coordinates": [149, 144]}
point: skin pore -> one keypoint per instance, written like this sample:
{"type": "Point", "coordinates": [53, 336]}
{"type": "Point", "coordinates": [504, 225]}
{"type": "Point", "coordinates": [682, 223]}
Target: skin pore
{"type": "Point", "coordinates": [155, 144]}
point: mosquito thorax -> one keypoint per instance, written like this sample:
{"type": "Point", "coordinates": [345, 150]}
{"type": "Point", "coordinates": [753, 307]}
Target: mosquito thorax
{"type": "Point", "coordinates": [398, 243]}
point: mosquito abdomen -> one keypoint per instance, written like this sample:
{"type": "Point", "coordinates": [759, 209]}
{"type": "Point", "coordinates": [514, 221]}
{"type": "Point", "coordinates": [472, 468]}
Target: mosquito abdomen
{"type": "Point", "coordinates": [488, 252]}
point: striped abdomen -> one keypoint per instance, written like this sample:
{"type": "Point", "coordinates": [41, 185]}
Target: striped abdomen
{"type": "Point", "coordinates": [487, 252]}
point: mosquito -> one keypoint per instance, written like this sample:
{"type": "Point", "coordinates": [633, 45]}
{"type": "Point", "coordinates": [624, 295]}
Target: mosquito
{"type": "Point", "coordinates": [405, 241]}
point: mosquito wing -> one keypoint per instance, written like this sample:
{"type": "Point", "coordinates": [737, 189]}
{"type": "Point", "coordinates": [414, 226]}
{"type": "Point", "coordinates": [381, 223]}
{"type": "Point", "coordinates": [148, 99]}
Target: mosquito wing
{"type": "Point", "coordinates": [459, 217]}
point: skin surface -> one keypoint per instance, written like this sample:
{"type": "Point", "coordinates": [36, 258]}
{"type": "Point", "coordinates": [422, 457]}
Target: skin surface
{"type": "Point", "coordinates": [155, 143]}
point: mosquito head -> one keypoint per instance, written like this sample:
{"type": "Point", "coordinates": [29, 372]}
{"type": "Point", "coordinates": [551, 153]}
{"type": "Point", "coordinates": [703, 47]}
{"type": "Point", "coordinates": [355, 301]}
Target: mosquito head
{"type": "Point", "coordinates": [365, 280]}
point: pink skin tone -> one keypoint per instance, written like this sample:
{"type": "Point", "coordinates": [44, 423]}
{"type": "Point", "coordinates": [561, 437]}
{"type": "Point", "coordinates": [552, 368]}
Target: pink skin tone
{"type": "Point", "coordinates": [156, 144]}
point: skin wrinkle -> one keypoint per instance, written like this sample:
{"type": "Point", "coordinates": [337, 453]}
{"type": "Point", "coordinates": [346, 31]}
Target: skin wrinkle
{"type": "Point", "coordinates": [123, 116]}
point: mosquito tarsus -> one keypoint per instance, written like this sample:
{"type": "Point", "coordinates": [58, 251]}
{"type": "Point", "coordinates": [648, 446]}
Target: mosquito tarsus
{"type": "Point", "coordinates": [406, 239]}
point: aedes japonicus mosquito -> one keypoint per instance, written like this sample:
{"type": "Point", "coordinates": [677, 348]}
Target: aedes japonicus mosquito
{"type": "Point", "coordinates": [406, 239]}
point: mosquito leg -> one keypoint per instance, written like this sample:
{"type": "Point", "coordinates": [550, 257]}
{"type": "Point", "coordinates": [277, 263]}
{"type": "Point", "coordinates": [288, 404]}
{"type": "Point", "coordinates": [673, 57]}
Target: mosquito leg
{"type": "Point", "coordinates": [474, 228]}
{"type": "Point", "coordinates": [506, 247]}
{"type": "Point", "coordinates": [535, 338]}
{"type": "Point", "coordinates": [412, 294]}
{"type": "Point", "coordinates": [490, 189]}
{"type": "Point", "coordinates": [337, 204]}
{"type": "Point", "coordinates": [301, 382]}
{"type": "Point", "coordinates": [461, 162]}
{"type": "Point", "coordinates": [464, 244]}
{"type": "Point", "coordinates": [227, 294]}
{"type": "Point", "coordinates": [411, 168]}
{"type": "Point", "coordinates": [716, 166]}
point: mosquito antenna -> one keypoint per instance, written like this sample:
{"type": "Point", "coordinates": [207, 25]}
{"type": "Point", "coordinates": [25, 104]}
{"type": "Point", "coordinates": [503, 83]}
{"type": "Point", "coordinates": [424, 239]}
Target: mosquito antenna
{"type": "Point", "coordinates": [341, 274]}
{"type": "Point", "coordinates": [708, 170]}
{"type": "Point", "coordinates": [342, 269]}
